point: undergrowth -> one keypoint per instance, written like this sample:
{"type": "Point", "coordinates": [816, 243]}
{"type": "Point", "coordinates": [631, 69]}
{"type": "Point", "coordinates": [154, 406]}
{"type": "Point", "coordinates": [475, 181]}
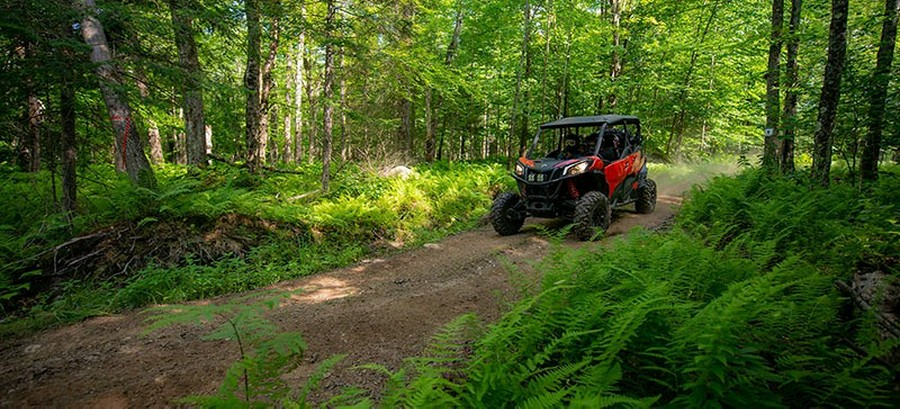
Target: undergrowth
{"type": "Point", "coordinates": [210, 232]}
{"type": "Point", "coordinates": [736, 307]}
{"type": "Point", "coordinates": [264, 353]}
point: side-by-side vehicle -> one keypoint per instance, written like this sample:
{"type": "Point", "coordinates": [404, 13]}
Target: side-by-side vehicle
{"type": "Point", "coordinates": [578, 169]}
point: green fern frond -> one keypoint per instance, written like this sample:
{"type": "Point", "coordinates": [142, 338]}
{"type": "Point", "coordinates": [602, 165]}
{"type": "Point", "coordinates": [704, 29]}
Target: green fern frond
{"type": "Point", "coordinates": [316, 377]}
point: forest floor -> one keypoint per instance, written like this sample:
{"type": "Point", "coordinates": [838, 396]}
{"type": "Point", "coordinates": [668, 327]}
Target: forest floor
{"type": "Point", "coordinates": [377, 311]}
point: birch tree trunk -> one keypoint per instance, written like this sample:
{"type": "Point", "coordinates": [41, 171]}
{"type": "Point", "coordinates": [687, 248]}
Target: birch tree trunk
{"type": "Point", "coordinates": [156, 153]}
{"type": "Point", "coordinates": [129, 147]}
{"type": "Point", "coordinates": [207, 133]}
{"type": "Point", "coordinates": [868, 165]}
{"type": "Point", "coordinates": [831, 92]}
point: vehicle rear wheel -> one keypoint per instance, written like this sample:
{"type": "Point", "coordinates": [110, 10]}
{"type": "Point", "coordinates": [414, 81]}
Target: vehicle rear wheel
{"type": "Point", "coordinates": [646, 200]}
{"type": "Point", "coordinates": [592, 216]}
{"type": "Point", "coordinates": [506, 215]}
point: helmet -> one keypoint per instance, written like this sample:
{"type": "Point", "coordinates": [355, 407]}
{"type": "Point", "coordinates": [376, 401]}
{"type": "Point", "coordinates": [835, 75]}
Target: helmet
{"type": "Point", "coordinates": [571, 143]}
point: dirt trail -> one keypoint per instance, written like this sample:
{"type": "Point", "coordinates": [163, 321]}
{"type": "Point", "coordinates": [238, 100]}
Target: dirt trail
{"type": "Point", "coordinates": [378, 311]}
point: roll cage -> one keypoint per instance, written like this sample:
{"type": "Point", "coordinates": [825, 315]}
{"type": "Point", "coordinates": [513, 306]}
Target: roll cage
{"type": "Point", "coordinates": [609, 137]}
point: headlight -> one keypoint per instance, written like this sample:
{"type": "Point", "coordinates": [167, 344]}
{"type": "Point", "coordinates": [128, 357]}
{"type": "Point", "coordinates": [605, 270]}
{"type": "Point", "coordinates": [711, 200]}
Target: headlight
{"type": "Point", "coordinates": [575, 169]}
{"type": "Point", "coordinates": [520, 170]}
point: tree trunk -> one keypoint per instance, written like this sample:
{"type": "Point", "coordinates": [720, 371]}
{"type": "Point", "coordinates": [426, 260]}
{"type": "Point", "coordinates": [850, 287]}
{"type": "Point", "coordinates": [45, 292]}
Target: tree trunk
{"type": "Point", "coordinates": [831, 92]}
{"type": "Point", "coordinates": [328, 92]}
{"type": "Point", "coordinates": [129, 146]}
{"type": "Point", "coordinates": [288, 147]}
{"type": "Point", "coordinates": [271, 143]}
{"type": "Point", "coordinates": [29, 144]}
{"type": "Point", "coordinates": [192, 86]}
{"type": "Point", "coordinates": [298, 91]}
{"type": "Point", "coordinates": [156, 153]}
{"type": "Point", "coordinates": [868, 165]}
{"type": "Point", "coordinates": [181, 148]}
{"type": "Point", "coordinates": [440, 147]}
{"type": "Point", "coordinates": [35, 121]}
{"type": "Point", "coordinates": [207, 133]}
{"type": "Point", "coordinates": [342, 100]}
{"type": "Point", "coordinates": [429, 126]}
{"type": "Point", "coordinates": [265, 92]}
{"type": "Point", "coordinates": [405, 132]}
{"type": "Point", "coordinates": [180, 141]}
{"type": "Point", "coordinates": [789, 119]}
{"type": "Point", "coordinates": [616, 65]}
{"type": "Point", "coordinates": [313, 111]}
{"type": "Point", "coordinates": [67, 140]}
{"type": "Point", "coordinates": [773, 109]}
{"type": "Point", "coordinates": [252, 83]}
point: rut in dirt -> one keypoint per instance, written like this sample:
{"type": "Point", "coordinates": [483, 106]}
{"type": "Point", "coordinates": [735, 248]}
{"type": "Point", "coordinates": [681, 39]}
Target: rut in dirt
{"type": "Point", "coordinates": [378, 311]}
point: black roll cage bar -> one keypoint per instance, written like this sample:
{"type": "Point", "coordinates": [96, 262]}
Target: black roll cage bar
{"type": "Point", "coordinates": [590, 121]}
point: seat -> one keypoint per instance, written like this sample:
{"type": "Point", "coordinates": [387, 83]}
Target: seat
{"type": "Point", "coordinates": [609, 148]}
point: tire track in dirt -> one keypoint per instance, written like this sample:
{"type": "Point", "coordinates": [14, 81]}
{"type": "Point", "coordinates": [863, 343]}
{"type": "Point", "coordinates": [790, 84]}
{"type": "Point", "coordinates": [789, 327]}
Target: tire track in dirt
{"type": "Point", "coordinates": [377, 311]}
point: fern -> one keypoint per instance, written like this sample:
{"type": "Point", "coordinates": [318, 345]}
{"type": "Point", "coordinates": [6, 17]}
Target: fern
{"type": "Point", "coordinates": [265, 354]}
{"type": "Point", "coordinates": [734, 307]}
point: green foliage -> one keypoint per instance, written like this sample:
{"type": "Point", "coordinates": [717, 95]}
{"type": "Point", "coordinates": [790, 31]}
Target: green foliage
{"type": "Point", "coordinates": [735, 307]}
{"type": "Point", "coordinates": [837, 228]}
{"type": "Point", "coordinates": [265, 354]}
{"type": "Point", "coordinates": [283, 228]}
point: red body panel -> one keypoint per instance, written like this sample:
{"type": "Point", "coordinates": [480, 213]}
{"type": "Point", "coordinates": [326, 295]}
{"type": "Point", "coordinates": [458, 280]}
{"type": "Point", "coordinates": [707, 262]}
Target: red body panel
{"type": "Point", "coordinates": [618, 170]}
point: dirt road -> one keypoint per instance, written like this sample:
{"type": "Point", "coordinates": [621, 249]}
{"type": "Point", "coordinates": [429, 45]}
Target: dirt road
{"type": "Point", "coordinates": [378, 311]}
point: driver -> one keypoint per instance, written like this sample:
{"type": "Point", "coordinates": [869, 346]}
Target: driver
{"type": "Point", "coordinates": [571, 146]}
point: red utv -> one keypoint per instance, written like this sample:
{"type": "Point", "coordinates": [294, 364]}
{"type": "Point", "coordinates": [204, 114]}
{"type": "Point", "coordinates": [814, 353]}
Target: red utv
{"type": "Point", "coordinates": [592, 164]}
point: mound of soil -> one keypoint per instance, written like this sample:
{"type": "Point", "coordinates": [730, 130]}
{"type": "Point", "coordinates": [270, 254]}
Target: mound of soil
{"type": "Point", "coordinates": [118, 251]}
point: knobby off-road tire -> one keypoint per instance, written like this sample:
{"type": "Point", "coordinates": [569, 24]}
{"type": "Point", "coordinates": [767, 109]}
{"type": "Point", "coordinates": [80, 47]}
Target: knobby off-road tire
{"type": "Point", "coordinates": [506, 219]}
{"type": "Point", "coordinates": [592, 216]}
{"type": "Point", "coordinates": [646, 200]}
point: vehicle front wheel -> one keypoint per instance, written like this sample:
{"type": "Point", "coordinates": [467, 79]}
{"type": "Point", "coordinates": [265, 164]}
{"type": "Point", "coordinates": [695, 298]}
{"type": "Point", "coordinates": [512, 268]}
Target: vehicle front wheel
{"type": "Point", "coordinates": [592, 216]}
{"type": "Point", "coordinates": [506, 214]}
{"type": "Point", "coordinates": [646, 200]}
